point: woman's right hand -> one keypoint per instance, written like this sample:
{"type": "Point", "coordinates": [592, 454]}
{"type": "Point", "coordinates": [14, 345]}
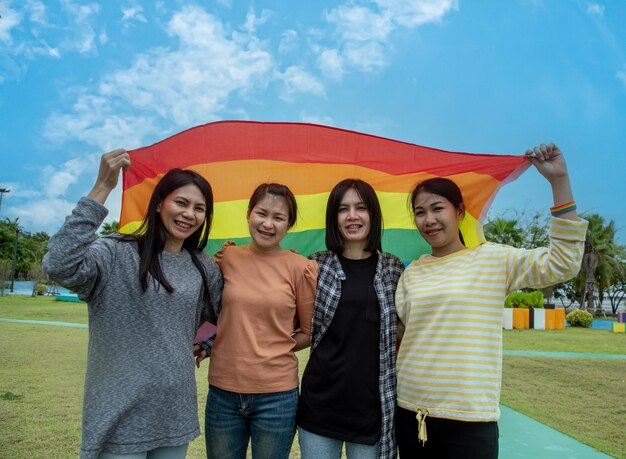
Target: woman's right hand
{"type": "Point", "coordinates": [108, 174]}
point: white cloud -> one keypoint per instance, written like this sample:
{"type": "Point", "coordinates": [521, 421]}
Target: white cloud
{"type": "Point", "coordinates": [37, 12]}
{"type": "Point", "coordinates": [133, 13]}
{"type": "Point", "coordinates": [45, 208]}
{"type": "Point", "coordinates": [252, 22]}
{"type": "Point", "coordinates": [323, 120]}
{"type": "Point", "coordinates": [413, 13]}
{"type": "Point", "coordinates": [58, 179]}
{"type": "Point", "coordinates": [359, 23]}
{"type": "Point", "coordinates": [297, 80]}
{"type": "Point", "coordinates": [43, 215]}
{"type": "Point", "coordinates": [167, 89]}
{"type": "Point", "coordinates": [10, 19]}
{"type": "Point", "coordinates": [330, 62]}
{"type": "Point", "coordinates": [54, 52]}
{"type": "Point", "coordinates": [288, 42]}
{"type": "Point", "coordinates": [363, 30]}
{"type": "Point", "coordinates": [36, 36]}
{"type": "Point", "coordinates": [367, 56]}
{"type": "Point", "coordinates": [595, 9]}
{"type": "Point", "coordinates": [103, 37]}
{"type": "Point", "coordinates": [83, 36]}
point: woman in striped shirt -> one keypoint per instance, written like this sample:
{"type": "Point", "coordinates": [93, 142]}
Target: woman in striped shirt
{"type": "Point", "coordinates": [449, 306]}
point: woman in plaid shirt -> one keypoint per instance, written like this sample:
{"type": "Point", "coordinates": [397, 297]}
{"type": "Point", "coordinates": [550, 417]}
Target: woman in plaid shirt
{"type": "Point", "coordinates": [349, 387]}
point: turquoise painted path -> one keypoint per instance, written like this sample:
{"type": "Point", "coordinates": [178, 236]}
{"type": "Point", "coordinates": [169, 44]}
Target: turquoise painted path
{"type": "Point", "coordinates": [44, 322]}
{"type": "Point", "coordinates": [523, 437]}
{"type": "Point", "coordinates": [520, 436]}
{"type": "Point", "coordinates": [567, 355]}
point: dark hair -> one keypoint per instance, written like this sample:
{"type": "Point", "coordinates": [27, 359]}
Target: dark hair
{"type": "Point", "coordinates": [151, 235]}
{"type": "Point", "coordinates": [334, 239]}
{"type": "Point", "coordinates": [440, 186]}
{"type": "Point", "coordinates": [276, 189]}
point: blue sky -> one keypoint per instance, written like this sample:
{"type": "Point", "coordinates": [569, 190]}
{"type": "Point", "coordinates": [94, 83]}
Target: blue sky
{"type": "Point", "coordinates": [80, 78]}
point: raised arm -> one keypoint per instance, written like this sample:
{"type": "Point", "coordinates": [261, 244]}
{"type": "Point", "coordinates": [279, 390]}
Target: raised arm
{"type": "Point", "coordinates": [549, 161]}
{"type": "Point", "coordinates": [108, 175]}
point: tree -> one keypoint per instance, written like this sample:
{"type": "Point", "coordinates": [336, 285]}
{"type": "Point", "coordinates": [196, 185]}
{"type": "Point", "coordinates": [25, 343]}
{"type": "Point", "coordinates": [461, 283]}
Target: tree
{"type": "Point", "coordinates": [30, 247]}
{"type": "Point", "coordinates": [37, 276]}
{"type": "Point", "coordinates": [15, 228]}
{"type": "Point", "coordinates": [5, 273]}
{"type": "Point", "coordinates": [600, 260]}
{"type": "Point", "coordinates": [504, 231]}
{"type": "Point", "coordinates": [518, 231]}
{"type": "Point", "coordinates": [616, 292]}
{"type": "Point", "coordinates": [108, 228]}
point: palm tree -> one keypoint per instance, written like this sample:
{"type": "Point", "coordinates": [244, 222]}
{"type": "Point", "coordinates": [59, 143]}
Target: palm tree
{"type": "Point", "coordinates": [600, 260]}
{"type": "Point", "coordinates": [14, 226]}
{"type": "Point", "coordinates": [504, 231]}
{"type": "Point", "coordinates": [108, 228]}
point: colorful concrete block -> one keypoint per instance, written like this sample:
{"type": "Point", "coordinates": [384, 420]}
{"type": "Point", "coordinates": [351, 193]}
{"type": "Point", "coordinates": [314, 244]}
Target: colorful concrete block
{"type": "Point", "coordinates": [559, 319]}
{"type": "Point", "coordinates": [507, 319]}
{"type": "Point", "coordinates": [619, 327]}
{"type": "Point", "coordinates": [520, 318]}
{"type": "Point", "coordinates": [550, 322]}
{"type": "Point", "coordinates": [621, 317]}
{"type": "Point", "coordinates": [539, 320]}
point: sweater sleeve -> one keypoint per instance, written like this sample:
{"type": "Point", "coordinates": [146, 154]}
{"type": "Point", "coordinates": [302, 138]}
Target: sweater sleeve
{"type": "Point", "coordinates": [76, 259]}
{"type": "Point", "coordinates": [305, 295]}
{"type": "Point", "coordinates": [539, 268]}
{"type": "Point", "coordinates": [216, 284]}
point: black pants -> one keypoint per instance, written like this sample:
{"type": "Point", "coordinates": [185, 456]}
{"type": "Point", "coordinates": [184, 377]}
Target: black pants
{"type": "Point", "coordinates": [447, 439]}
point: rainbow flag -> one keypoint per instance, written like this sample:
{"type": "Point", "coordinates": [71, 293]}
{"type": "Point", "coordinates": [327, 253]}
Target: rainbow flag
{"type": "Point", "coordinates": [236, 156]}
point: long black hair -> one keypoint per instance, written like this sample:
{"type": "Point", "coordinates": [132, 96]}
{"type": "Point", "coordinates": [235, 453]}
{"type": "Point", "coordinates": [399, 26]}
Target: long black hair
{"type": "Point", "coordinates": [334, 239]}
{"type": "Point", "coordinates": [151, 235]}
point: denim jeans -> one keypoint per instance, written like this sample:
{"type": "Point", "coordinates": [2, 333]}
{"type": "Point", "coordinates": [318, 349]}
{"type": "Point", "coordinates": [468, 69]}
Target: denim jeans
{"type": "Point", "coordinates": [313, 446]}
{"type": "Point", "coordinates": [164, 452]}
{"type": "Point", "coordinates": [232, 419]}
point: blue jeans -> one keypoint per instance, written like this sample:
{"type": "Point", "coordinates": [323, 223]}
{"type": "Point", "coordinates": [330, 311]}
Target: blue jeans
{"type": "Point", "coordinates": [313, 446]}
{"type": "Point", "coordinates": [165, 452]}
{"type": "Point", "coordinates": [232, 419]}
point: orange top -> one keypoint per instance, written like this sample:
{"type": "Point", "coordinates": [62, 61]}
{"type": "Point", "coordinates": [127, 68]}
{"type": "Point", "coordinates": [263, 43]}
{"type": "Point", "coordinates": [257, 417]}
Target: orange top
{"type": "Point", "coordinates": [264, 296]}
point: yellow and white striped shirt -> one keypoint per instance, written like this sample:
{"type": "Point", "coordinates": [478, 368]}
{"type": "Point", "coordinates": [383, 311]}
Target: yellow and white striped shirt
{"type": "Point", "coordinates": [450, 310]}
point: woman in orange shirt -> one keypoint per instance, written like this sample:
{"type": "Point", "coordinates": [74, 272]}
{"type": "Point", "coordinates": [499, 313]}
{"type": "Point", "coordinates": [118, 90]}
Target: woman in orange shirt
{"type": "Point", "coordinates": [253, 371]}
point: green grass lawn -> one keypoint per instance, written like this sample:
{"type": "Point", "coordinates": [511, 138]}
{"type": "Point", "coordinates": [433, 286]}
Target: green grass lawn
{"type": "Point", "coordinates": [572, 339]}
{"type": "Point", "coordinates": [42, 308]}
{"type": "Point", "coordinates": [42, 374]}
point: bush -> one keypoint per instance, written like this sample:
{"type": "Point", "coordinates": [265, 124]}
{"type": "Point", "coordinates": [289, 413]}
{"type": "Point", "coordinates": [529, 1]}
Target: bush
{"type": "Point", "coordinates": [41, 289]}
{"type": "Point", "coordinates": [524, 300]}
{"type": "Point", "coordinates": [579, 318]}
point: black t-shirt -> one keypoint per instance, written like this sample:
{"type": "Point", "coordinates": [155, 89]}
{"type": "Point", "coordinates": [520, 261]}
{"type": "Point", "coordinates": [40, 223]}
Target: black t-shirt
{"type": "Point", "coordinates": [339, 396]}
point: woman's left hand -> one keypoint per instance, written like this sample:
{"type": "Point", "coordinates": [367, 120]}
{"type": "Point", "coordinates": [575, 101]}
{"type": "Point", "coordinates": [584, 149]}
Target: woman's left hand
{"type": "Point", "coordinates": [549, 161]}
{"type": "Point", "coordinates": [199, 353]}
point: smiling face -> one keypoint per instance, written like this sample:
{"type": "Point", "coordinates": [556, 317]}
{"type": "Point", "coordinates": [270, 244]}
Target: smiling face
{"type": "Point", "coordinates": [268, 222]}
{"type": "Point", "coordinates": [438, 221]}
{"type": "Point", "coordinates": [353, 219]}
{"type": "Point", "coordinates": [182, 212]}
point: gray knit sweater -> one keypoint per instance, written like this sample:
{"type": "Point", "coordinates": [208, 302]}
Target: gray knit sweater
{"type": "Point", "coordinates": [140, 390]}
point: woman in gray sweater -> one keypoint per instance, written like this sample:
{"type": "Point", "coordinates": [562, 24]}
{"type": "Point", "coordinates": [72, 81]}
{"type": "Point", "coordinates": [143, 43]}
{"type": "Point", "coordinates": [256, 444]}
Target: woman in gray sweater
{"type": "Point", "coordinates": [146, 295]}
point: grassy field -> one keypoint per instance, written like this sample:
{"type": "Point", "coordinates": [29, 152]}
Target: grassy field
{"type": "Point", "coordinates": [42, 373]}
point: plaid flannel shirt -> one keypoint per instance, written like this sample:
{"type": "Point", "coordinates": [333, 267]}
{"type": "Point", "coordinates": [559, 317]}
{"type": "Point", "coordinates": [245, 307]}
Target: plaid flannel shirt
{"type": "Point", "coordinates": [388, 271]}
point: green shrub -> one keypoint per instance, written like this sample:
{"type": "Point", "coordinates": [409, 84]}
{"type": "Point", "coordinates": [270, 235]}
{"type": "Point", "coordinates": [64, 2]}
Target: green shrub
{"type": "Point", "coordinates": [524, 300]}
{"type": "Point", "coordinates": [579, 318]}
{"type": "Point", "coordinates": [41, 289]}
